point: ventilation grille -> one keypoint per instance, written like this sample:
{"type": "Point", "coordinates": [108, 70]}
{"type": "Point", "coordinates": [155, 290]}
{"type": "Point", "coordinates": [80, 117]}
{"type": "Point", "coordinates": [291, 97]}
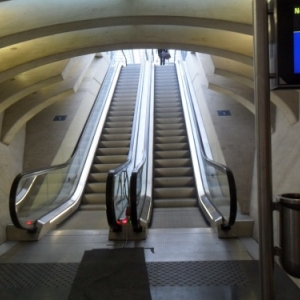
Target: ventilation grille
{"type": "Point", "coordinates": [37, 275]}
{"type": "Point", "coordinates": [204, 273]}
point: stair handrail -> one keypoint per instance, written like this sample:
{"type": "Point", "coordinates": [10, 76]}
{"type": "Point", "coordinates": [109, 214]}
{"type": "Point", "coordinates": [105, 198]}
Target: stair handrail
{"type": "Point", "coordinates": [141, 172]}
{"type": "Point", "coordinates": [222, 168]}
{"type": "Point", "coordinates": [24, 182]}
{"type": "Point", "coordinates": [124, 170]}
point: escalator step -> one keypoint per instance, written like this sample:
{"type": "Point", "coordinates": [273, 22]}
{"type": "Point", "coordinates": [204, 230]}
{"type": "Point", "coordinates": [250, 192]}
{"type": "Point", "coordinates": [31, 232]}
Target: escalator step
{"type": "Point", "coordinates": [94, 198]}
{"type": "Point", "coordinates": [110, 159]}
{"type": "Point", "coordinates": [172, 163]}
{"type": "Point", "coordinates": [171, 146]}
{"type": "Point", "coordinates": [172, 154]}
{"type": "Point", "coordinates": [97, 177]}
{"type": "Point", "coordinates": [96, 187]}
{"type": "Point", "coordinates": [170, 132]}
{"type": "Point", "coordinates": [174, 192]}
{"type": "Point", "coordinates": [184, 202]}
{"type": "Point", "coordinates": [173, 172]}
{"type": "Point", "coordinates": [171, 139]}
{"type": "Point", "coordinates": [174, 181]}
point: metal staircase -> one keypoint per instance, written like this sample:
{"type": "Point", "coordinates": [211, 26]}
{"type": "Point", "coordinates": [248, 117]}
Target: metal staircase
{"type": "Point", "coordinates": [174, 192]}
{"type": "Point", "coordinates": [114, 142]}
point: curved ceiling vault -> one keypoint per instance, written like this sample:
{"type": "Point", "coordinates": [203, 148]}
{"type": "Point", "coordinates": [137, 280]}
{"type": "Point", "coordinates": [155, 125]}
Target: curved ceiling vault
{"type": "Point", "coordinates": [38, 46]}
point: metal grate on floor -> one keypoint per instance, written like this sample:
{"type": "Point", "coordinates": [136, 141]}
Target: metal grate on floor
{"type": "Point", "coordinates": [195, 273]}
{"type": "Point", "coordinates": [181, 217]}
{"type": "Point", "coordinates": [47, 275]}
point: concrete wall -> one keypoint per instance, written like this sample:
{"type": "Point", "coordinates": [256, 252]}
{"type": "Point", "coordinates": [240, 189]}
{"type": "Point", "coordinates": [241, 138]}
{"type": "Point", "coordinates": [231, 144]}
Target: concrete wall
{"type": "Point", "coordinates": [45, 142]}
{"type": "Point", "coordinates": [50, 142]}
{"type": "Point", "coordinates": [11, 161]}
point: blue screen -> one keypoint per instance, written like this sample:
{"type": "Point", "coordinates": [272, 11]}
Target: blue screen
{"type": "Point", "coordinates": [297, 52]}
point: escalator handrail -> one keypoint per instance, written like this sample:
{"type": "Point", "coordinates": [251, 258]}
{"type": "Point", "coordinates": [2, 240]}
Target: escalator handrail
{"type": "Point", "coordinates": [222, 168]}
{"type": "Point", "coordinates": [110, 207]}
{"type": "Point", "coordinates": [139, 165]}
{"type": "Point", "coordinates": [45, 170]}
{"type": "Point", "coordinates": [232, 187]}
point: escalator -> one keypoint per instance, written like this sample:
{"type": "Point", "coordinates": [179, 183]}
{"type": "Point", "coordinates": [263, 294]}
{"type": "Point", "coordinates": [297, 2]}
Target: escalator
{"type": "Point", "coordinates": [114, 143]}
{"type": "Point", "coordinates": [160, 180]}
{"type": "Point", "coordinates": [176, 184]}
{"type": "Point", "coordinates": [42, 199]}
{"type": "Point", "coordinates": [175, 200]}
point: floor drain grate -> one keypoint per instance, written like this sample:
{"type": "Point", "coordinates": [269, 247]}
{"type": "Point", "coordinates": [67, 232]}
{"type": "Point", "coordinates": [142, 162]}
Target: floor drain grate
{"type": "Point", "coordinates": [204, 273]}
{"type": "Point", "coordinates": [37, 275]}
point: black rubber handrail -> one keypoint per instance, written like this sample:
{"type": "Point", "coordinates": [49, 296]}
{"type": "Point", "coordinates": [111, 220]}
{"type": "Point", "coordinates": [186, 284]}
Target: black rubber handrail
{"type": "Point", "coordinates": [133, 196]}
{"type": "Point", "coordinates": [231, 183]}
{"type": "Point", "coordinates": [110, 205]}
{"type": "Point", "coordinates": [31, 173]}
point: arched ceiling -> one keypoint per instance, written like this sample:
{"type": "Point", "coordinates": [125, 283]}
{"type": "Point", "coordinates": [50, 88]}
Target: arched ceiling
{"type": "Point", "coordinates": [38, 39]}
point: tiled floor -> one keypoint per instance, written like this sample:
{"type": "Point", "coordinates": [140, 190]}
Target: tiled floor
{"type": "Point", "coordinates": [66, 246]}
{"type": "Point", "coordinates": [169, 246]}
